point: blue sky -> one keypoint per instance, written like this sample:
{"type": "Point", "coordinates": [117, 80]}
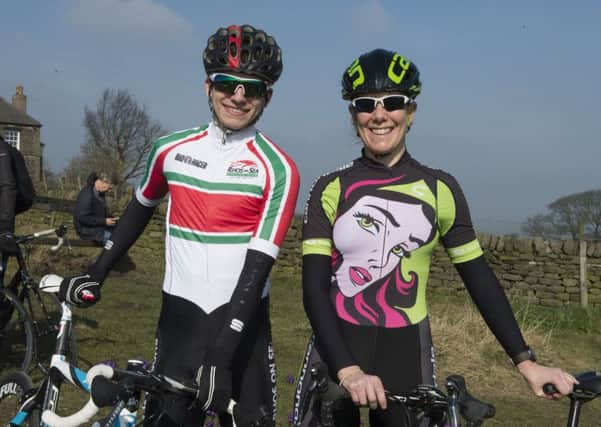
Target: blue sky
{"type": "Point", "coordinates": [510, 100]}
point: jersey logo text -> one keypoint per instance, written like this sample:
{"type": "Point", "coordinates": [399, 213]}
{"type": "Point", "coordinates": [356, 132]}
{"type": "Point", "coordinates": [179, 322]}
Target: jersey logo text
{"type": "Point", "coordinates": [243, 169]}
{"type": "Point", "coordinates": [189, 160]}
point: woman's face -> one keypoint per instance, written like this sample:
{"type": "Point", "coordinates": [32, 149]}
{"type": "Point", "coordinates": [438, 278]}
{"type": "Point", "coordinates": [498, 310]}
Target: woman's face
{"type": "Point", "coordinates": [382, 131]}
{"type": "Point", "coordinates": [373, 236]}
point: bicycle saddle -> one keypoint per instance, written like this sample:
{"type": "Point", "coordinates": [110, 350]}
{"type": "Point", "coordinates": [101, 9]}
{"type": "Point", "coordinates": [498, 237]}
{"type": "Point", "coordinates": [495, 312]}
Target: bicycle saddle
{"type": "Point", "coordinates": [589, 387]}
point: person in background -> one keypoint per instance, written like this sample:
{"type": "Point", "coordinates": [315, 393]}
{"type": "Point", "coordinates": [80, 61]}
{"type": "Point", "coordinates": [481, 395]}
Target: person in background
{"type": "Point", "coordinates": [232, 194]}
{"type": "Point", "coordinates": [8, 196]}
{"type": "Point", "coordinates": [91, 215]}
{"type": "Point", "coordinates": [368, 235]}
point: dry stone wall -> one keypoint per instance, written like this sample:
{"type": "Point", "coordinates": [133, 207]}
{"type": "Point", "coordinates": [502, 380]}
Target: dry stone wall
{"type": "Point", "coordinates": [545, 272]}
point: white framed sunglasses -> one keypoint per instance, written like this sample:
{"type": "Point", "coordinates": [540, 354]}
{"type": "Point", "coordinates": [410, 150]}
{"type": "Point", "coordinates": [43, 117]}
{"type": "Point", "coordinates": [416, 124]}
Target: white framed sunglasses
{"type": "Point", "coordinates": [229, 84]}
{"type": "Point", "coordinates": [367, 104]}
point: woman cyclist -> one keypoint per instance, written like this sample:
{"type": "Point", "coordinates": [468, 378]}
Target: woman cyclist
{"type": "Point", "coordinates": [368, 236]}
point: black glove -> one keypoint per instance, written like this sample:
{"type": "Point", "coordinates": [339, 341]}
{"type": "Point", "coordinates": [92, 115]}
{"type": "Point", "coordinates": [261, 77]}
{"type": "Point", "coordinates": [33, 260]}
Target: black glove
{"type": "Point", "coordinates": [8, 245]}
{"type": "Point", "coordinates": [252, 417]}
{"type": "Point", "coordinates": [81, 291]}
{"type": "Point", "coordinates": [214, 381]}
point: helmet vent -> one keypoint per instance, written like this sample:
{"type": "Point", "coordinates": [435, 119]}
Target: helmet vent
{"type": "Point", "coordinates": [233, 50]}
{"type": "Point", "coordinates": [243, 49]}
{"type": "Point", "coordinates": [245, 56]}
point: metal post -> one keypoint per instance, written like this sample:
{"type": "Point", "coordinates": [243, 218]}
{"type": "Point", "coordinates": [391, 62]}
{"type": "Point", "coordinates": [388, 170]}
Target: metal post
{"type": "Point", "coordinates": [583, 273]}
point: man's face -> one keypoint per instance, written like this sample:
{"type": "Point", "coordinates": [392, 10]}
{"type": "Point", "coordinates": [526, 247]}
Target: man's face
{"type": "Point", "coordinates": [103, 186]}
{"type": "Point", "coordinates": [235, 110]}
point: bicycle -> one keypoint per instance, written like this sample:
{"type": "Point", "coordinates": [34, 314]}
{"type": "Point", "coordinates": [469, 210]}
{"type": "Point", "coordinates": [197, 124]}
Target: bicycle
{"type": "Point", "coordinates": [425, 401]}
{"type": "Point", "coordinates": [27, 315]}
{"type": "Point", "coordinates": [23, 404]}
{"type": "Point", "coordinates": [589, 388]}
{"type": "Point", "coordinates": [121, 390]}
{"type": "Point", "coordinates": [20, 402]}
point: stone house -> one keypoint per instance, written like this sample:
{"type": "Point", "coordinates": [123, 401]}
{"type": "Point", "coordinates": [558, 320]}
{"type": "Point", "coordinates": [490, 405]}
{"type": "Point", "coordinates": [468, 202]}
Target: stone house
{"type": "Point", "coordinates": [23, 132]}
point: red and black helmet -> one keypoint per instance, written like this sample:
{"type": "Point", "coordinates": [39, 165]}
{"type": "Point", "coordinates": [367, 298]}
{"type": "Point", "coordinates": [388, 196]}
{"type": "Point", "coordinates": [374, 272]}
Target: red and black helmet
{"type": "Point", "coordinates": [244, 49]}
{"type": "Point", "coordinates": [381, 71]}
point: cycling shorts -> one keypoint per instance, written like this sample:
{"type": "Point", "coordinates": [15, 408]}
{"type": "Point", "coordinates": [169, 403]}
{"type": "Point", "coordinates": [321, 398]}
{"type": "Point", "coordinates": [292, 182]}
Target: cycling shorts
{"type": "Point", "coordinates": [183, 335]}
{"type": "Point", "coordinates": [401, 357]}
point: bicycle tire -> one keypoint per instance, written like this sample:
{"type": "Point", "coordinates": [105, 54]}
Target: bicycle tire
{"type": "Point", "coordinates": [12, 391]}
{"type": "Point", "coordinates": [45, 312]}
{"type": "Point", "coordinates": [17, 344]}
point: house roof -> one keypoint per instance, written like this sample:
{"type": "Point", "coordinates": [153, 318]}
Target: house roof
{"type": "Point", "coordinates": [10, 115]}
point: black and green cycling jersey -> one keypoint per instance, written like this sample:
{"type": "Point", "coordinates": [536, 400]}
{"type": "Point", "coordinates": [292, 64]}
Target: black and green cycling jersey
{"type": "Point", "coordinates": [380, 225]}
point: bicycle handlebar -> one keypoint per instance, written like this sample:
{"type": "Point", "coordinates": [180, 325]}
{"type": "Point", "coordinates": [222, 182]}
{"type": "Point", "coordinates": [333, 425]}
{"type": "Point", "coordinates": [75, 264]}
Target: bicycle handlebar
{"type": "Point", "coordinates": [60, 232]}
{"type": "Point", "coordinates": [87, 412]}
{"type": "Point", "coordinates": [104, 393]}
{"type": "Point", "coordinates": [426, 398]}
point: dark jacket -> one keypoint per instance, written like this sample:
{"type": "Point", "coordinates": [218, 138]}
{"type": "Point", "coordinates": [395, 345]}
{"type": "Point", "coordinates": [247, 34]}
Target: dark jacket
{"type": "Point", "coordinates": [90, 213]}
{"type": "Point", "coordinates": [8, 190]}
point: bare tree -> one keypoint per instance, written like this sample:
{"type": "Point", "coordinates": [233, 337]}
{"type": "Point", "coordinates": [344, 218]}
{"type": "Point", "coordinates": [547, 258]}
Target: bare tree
{"type": "Point", "coordinates": [568, 215]}
{"type": "Point", "coordinates": [539, 225]}
{"type": "Point", "coordinates": [119, 136]}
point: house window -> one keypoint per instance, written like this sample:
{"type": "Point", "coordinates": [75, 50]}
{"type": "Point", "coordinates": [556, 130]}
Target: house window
{"type": "Point", "coordinates": [13, 137]}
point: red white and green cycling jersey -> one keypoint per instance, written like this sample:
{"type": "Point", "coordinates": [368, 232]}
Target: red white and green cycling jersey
{"type": "Point", "coordinates": [227, 193]}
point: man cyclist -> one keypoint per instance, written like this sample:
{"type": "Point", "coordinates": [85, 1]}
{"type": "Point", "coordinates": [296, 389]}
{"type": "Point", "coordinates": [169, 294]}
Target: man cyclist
{"type": "Point", "coordinates": [232, 194]}
{"type": "Point", "coordinates": [368, 236]}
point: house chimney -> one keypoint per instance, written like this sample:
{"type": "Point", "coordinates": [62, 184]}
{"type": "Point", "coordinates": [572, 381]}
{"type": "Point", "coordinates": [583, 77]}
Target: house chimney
{"type": "Point", "coordinates": [20, 100]}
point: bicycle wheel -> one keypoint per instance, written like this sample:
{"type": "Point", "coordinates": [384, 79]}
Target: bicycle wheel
{"type": "Point", "coordinates": [45, 312]}
{"type": "Point", "coordinates": [12, 390]}
{"type": "Point", "coordinates": [17, 346]}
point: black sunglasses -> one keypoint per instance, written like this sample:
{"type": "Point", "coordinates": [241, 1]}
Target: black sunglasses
{"type": "Point", "coordinates": [229, 84]}
{"type": "Point", "coordinates": [367, 104]}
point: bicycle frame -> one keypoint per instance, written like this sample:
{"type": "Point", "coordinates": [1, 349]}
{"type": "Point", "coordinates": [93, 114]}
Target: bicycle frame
{"type": "Point", "coordinates": [46, 396]}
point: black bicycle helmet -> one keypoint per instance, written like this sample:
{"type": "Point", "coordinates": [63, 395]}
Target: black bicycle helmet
{"type": "Point", "coordinates": [381, 71]}
{"type": "Point", "coordinates": [243, 49]}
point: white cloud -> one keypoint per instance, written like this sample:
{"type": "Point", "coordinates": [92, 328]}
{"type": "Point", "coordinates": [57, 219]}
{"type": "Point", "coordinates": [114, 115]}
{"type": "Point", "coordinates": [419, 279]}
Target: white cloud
{"type": "Point", "coordinates": [145, 17]}
{"type": "Point", "coordinates": [371, 15]}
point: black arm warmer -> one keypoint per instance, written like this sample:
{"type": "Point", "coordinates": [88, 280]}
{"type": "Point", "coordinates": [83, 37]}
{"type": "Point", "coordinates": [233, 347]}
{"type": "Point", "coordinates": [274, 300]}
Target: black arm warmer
{"type": "Point", "coordinates": [486, 291]}
{"type": "Point", "coordinates": [244, 302]}
{"type": "Point", "coordinates": [131, 224]}
{"type": "Point", "coordinates": [320, 311]}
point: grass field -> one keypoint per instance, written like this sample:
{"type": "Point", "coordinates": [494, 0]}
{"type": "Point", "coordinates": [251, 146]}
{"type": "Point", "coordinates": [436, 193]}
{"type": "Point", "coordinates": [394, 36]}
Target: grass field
{"type": "Point", "coordinates": [122, 326]}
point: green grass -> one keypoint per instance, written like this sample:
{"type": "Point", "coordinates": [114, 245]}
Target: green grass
{"type": "Point", "coordinates": [122, 326]}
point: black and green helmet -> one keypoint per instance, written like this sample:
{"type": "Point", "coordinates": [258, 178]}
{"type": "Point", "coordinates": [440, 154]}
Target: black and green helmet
{"type": "Point", "coordinates": [381, 71]}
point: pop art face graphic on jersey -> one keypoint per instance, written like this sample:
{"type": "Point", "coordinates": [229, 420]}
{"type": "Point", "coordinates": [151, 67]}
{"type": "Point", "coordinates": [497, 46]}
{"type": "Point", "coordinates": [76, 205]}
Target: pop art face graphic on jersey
{"type": "Point", "coordinates": [377, 230]}
{"type": "Point", "coordinates": [373, 237]}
